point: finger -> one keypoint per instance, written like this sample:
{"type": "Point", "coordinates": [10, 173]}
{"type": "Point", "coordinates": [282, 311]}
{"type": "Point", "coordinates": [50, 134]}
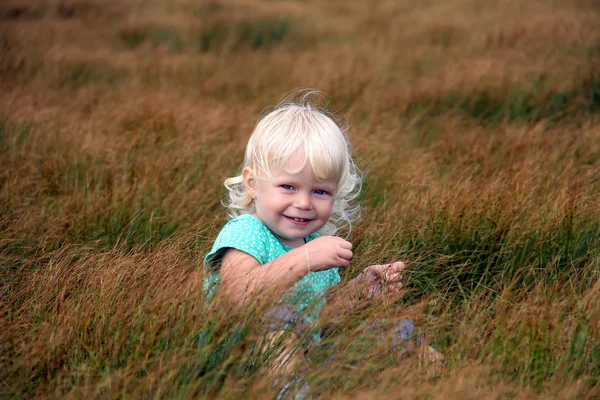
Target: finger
{"type": "Point", "coordinates": [387, 271]}
{"type": "Point", "coordinates": [398, 266]}
{"type": "Point", "coordinates": [390, 269]}
{"type": "Point", "coordinates": [345, 244]}
{"type": "Point", "coordinates": [377, 268]}
{"type": "Point", "coordinates": [342, 262]}
{"type": "Point", "coordinates": [345, 254]}
{"type": "Point", "coordinates": [394, 291]}
{"type": "Point", "coordinates": [394, 277]}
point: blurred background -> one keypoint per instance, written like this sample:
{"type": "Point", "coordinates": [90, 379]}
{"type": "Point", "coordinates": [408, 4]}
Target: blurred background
{"type": "Point", "coordinates": [476, 124]}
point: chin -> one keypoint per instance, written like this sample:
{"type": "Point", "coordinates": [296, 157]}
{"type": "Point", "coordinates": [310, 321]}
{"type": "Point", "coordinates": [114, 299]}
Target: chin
{"type": "Point", "coordinates": [294, 236]}
{"type": "Point", "coordinates": [300, 235]}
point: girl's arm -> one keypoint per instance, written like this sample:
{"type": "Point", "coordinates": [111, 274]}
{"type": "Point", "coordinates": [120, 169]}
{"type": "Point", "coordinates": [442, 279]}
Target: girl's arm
{"type": "Point", "coordinates": [243, 278]}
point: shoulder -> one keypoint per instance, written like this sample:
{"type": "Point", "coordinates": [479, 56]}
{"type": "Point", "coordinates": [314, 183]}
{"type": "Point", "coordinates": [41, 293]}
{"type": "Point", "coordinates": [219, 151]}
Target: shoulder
{"type": "Point", "coordinates": [244, 226]}
{"type": "Point", "coordinates": [245, 233]}
{"type": "Point", "coordinates": [245, 220]}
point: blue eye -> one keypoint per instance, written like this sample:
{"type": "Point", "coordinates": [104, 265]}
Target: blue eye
{"type": "Point", "coordinates": [320, 192]}
{"type": "Point", "coordinates": [287, 187]}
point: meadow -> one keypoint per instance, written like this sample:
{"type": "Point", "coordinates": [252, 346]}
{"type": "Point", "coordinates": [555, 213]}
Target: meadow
{"type": "Point", "coordinates": [476, 124]}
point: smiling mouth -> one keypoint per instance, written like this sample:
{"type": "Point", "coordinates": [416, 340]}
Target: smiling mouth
{"type": "Point", "coordinates": [302, 221]}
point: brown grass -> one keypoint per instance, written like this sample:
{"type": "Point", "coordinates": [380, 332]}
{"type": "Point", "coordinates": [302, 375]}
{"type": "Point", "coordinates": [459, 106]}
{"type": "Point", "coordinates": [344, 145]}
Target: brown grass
{"type": "Point", "coordinates": [476, 123]}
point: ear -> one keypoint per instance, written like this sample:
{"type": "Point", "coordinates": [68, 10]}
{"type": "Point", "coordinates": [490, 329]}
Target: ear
{"type": "Point", "coordinates": [249, 179]}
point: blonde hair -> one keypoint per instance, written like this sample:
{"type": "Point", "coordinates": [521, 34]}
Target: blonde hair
{"type": "Point", "coordinates": [298, 123]}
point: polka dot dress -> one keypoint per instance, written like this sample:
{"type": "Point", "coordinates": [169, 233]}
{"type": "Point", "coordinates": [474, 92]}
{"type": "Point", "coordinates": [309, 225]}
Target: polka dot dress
{"type": "Point", "coordinates": [246, 233]}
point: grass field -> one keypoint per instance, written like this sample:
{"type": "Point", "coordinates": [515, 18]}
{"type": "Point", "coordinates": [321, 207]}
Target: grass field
{"type": "Point", "coordinates": [477, 124]}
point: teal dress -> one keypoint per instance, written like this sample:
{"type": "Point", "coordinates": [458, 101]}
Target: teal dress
{"type": "Point", "coordinates": [248, 234]}
{"type": "Point", "coordinates": [306, 298]}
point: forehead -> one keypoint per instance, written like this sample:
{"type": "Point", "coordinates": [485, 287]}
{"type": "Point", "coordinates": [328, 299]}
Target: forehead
{"type": "Point", "coordinates": [298, 168]}
{"type": "Point", "coordinates": [296, 163]}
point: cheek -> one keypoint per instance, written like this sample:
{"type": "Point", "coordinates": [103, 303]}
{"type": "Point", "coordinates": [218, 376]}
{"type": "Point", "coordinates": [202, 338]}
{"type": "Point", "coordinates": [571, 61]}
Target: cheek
{"type": "Point", "coordinates": [269, 202]}
{"type": "Point", "coordinates": [325, 208]}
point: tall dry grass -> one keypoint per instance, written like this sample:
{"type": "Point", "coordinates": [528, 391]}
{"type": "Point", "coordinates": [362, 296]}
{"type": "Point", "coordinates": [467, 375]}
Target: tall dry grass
{"type": "Point", "coordinates": [477, 125]}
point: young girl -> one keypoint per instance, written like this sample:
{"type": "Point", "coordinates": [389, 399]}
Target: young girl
{"type": "Point", "coordinates": [292, 195]}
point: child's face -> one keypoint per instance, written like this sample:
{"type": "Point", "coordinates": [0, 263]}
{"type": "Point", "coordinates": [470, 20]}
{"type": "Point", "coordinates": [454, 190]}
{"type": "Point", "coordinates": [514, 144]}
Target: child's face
{"type": "Point", "coordinates": [292, 206]}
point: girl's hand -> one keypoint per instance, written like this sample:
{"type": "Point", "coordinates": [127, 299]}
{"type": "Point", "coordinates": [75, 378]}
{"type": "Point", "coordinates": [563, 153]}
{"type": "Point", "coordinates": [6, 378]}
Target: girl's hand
{"type": "Point", "coordinates": [328, 252]}
{"type": "Point", "coordinates": [378, 280]}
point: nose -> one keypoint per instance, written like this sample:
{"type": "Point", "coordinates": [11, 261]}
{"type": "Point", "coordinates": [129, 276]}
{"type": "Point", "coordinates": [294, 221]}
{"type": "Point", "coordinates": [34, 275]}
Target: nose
{"type": "Point", "coordinates": [302, 201]}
